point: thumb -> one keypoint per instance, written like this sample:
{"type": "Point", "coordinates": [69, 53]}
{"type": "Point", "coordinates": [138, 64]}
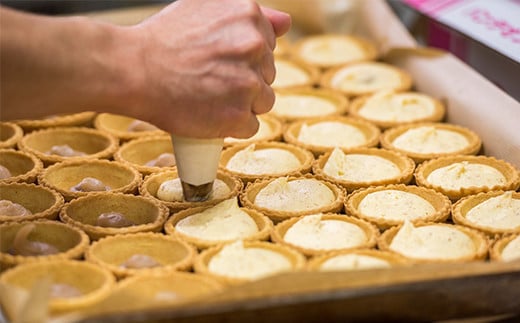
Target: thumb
{"type": "Point", "coordinates": [281, 21]}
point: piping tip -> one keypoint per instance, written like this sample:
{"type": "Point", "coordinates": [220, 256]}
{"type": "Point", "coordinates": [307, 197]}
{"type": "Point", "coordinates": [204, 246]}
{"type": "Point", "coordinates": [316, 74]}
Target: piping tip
{"type": "Point", "coordinates": [196, 193]}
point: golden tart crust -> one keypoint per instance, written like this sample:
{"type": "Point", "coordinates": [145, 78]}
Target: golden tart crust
{"type": "Point", "coordinates": [367, 233]}
{"type": "Point", "coordinates": [22, 166]}
{"type": "Point", "coordinates": [386, 259]}
{"type": "Point", "coordinates": [80, 119]}
{"type": "Point", "coordinates": [202, 261]}
{"type": "Point", "coordinates": [388, 109]}
{"type": "Point", "coordinates": [120, 126]}
{"type": "Point", "coordinates": [86, 144]}
{"type": "Point", "coordinates": [151, 184]}
{"type": "Point", "coordinates": [365, 78]}
{"type": "Point", "coordinates": [496, 253]}
{"type": "Point", "coordinates": [419, 204]}
{"type": "Point", "coordinates": [479, 242]}
{"type": "Point", "coordinates": [70, 273]}
{"type": "Point", "coordinates": [305, 159]}
{"type": "Point", "coordinates": [249, 194]}
{"type": "Point", "coordinates": [291, 73]}
{"type": "Point", "coordinates": [169, 253]}
{"type": "Point", "coordinates": [305, 103]}
{"type": "Point", "coordinates": [10, 134]}
{"type": "Point", "coordinates": [144, 214]}
{"type": "Point", "coordinates": [69, 241]}
{"type": "Point", "coordinates": [496, 219]}
{"type": "Point", "coordinates": [263, 224]}
{"type": "Point", "coordinates": [62, 176]}
{"type": "Point", "coordinates": [459, 165]}
{"type": "Point", "coordinates": [405, 167]}
{"type": "Point", "coordinates": [331, 50]}
{"type": "Point", "coordinates": [42, 202]}
{"type": "Point", "coordinates": [270, 129]}
{"type": "Point", "coordinates": [468, 142]}
{"type": "Point", "coordinates": [138, 153]}
{"type": "Point", "coordinates": [367, 134]}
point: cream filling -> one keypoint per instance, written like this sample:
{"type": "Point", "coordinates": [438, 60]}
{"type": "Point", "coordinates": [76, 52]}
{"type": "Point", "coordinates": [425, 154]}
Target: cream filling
{"type": "Point", "coordinates": [500, 212]}
{"type": "Point", "coordinates": [331, 51]}
{"type": "Point", "coordinates": [395, 205]}
{"type": "Point", "coordinates": [288, 74]}
{"type": "Point", "coordinates": [4, 172]}
{"type": "Point", "coordinates": [464, 175]}
{"type": "Point", "coordinates": [354, 262]}
{"type": "Point", "coordinates": [263, 161]}
{"type": "Point", "coordinates": [224, 221]}
{"type": "Point", "coordinates": [432, 242]}
{"type": "Point", "coordinates": [10, 208]}
{"type": "Point", "coordinates": [312, 232]}
{"type": "Point", "coordinates": [512, 250]}
{"type": "Point", "coordinates": [332, 134]}
{"type": "Point", "coordinates": [366, 78]}
{"type": "Point", "coordinates": [359, 167]}
{"type": "Point", "coordinates": [400, 107]}
{"type": "Point", "coordinates": [429, 140]}
{"type": "Point", "coordinates": [171, 190]}
{"type": "Point", "coordinates": [296, 195]}
{"type": "Point", "coordinates": [293, 105]}
{"type": "Point", "coordinates": [64, 151]}
{"type": "Point", "coordinates": [264, 131]}
{"type": "Point", "coordinates": [236, 261]}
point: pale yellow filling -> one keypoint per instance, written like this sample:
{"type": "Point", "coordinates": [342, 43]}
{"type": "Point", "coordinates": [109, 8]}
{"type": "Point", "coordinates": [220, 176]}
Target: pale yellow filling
{"type": "Point", "coordinates": [398, 107]}
{"type": "Point", "coordinates": [171, 190]}
{"type": "Point", "coordinates": [395, 205]}
{"type": "Point", "coordinates": [264, 131]}
{"type": "Point", "coordinates": [432, 242]}
{"type": "Point", "coordinates": [289, 75]}
{"type": "Point", "coordinates": [295, 195]}
{"type": "Point", "coordinates": [263, 161]}
{"type": "Point", "coordinates": [464, 175]}
{"type": "Point", "coordinates": [332, 134]}
{"type": "Point", "coordinates": [224, 221]}
{"type": "Point", "coordinates": [236, 261]}
{"type": "Point", "coordinates": [366, 78]}
{"type": "Point", "coordinates": [430, 140]}
{"type": "Point", "coordinates": [312, 232]}
{"type": "Point", "coordinates": [294, 105]}
{"type": "Point", "coordinates": [512, 250]}
{"type": "Point", "coordinates": [331, 51]}
{"type": "Point", "coordinates": [359, 167]}
{"type": "Point", "coordinates": [500, 212]}
{"type": "Point", "coordinates": [354, 262]}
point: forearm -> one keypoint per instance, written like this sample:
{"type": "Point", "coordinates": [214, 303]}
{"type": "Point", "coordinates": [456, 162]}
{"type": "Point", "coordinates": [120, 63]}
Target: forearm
{"type": "Point", "coordinates": [62, 65]}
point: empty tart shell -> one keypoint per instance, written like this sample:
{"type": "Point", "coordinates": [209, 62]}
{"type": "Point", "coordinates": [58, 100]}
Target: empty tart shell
{"type": "Point", "coordinates": [151, 184]}
{"type": "Point", "coordinates": [369, 133]}
{"type": "Point", "coordinates": [270, 129]}
{"type": "Point", "coordinates": [139, 152]}
{"type": "Point", "coordinates": [388, 109]}
{"type": "Point", "coordinates": [91, 143]}
{"type": "Point", "coordinates": [511, 176]}
{"type": "Point", "coordinates": [42, 202]}
{"type": "Point", "coordinates": [202, 261]}
{"type": "Point", "coordinates": [304, 103]}
{"type": "Point", "coordinates": [249, 194]}
{"type": "Point", "coordinates": [494, 221]}
{"type": "Point", "coordinates": [369, 239]}
{"type": "Point", "coordinates": [384, 259]}
{"type": "Point", "coordinates": [170, 253]}
{"type": "Point", "coordinates": [331, 50]}
{"type": "Point", "coordinates": [10, 134]}
{"type": "Point", "coordinates": [70, 242]}
{"type": "Point", "coordinates": [305, 159]}
{"type": "Point", "coordinates": [364, 78]}
{"type": "Point", "coordinates": [471, 145]}
{"type": "Point", "coordinates": [263, 223]}
{"type": "Point", "coordinates": [121, 126]}
{"type": "Point", "coordinates": [403, 164]}
{"type": "Point", "coordinates": [506, 248]}
{"type": "Point", "coordinates": [440, 205]}
{"type": "Point", "coordinates": [145, 214]}
{"type": "Point", "coordinates": [480, 244]}
{"type": "Point", "coordinates": [72, 273]}
{"type": "Point", "coordinates": [21, 165]}
{"type": "Point", "coordinates": [80, 119]}
{"type": "Point", "coordinates": [291, 73]}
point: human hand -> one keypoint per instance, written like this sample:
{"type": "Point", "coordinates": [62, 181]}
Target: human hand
{"type": "Point", "coordinates": [205, 67]}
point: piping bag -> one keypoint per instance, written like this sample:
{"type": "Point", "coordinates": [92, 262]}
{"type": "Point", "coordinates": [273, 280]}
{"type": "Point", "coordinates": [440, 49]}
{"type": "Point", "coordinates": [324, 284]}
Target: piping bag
{"type": "Point", "coordinates": [197, 163]}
